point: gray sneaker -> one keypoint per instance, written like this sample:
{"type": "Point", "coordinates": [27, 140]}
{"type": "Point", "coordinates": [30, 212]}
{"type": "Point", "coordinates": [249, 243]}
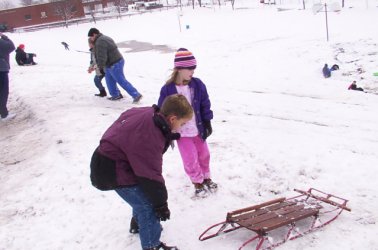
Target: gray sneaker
{"type": "Point", "coordinates": [114, 98]}
{"type": "Point", "coordinates": [137, 99]}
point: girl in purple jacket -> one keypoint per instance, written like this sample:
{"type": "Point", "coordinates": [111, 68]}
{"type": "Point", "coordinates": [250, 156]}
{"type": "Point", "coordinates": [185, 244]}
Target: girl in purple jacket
{"type": "Point", "coordinates": [192, 144]}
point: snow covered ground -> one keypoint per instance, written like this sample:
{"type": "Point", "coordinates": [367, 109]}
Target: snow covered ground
{"type": "Point", "coordinates": [278, 124]}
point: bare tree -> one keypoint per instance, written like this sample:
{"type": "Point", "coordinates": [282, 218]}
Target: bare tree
{"type": "Point", "coordinates": [6, 4]}
{"type": "Point", "coordinates": [27, 2]}
{"type": "Point", "coordinates": [64, 8]}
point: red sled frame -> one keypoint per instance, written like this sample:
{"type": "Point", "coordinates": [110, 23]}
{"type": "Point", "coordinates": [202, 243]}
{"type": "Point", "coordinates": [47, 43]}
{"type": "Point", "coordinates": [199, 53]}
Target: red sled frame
{"type": "Point", "coordinates": [314, 207]}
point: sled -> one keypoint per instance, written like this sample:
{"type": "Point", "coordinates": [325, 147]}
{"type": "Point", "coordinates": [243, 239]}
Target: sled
{"type": "Point", "coordinates": [278, 221]}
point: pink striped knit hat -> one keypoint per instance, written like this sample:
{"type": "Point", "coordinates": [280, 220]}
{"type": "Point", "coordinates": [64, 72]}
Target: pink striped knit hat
{"type": "Point", "coordinates": [184, 59]}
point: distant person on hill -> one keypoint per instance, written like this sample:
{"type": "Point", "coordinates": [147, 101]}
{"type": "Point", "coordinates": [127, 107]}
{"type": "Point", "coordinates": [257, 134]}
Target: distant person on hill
{"type": "Point", "coordinates": [65, 45]}
{"type": "Point", "coordinates": [93, 67]}
{"type": "Point", "coordinates": [23, 58]}
{"type": "Point", "coordinates": [192, 145]}
{"type": "Point", "coordinates": [6, 47]}
{"type": "Point", "coordinates": [327, 71]}
{"type": "Point", "coordinates": [353, 86]}
{"type": "Point", "coordinates": [129, 159]}
{"type": "Point", "coordinates": [110, 61]}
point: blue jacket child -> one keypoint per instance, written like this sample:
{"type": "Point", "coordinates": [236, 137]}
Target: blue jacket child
{"type": "Point", "coordinates": [326, 71]}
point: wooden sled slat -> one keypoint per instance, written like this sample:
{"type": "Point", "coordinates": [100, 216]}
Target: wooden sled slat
{"type": "Point", "coordinates": [277, 222]}
{"type": "Point", "coordinates": [260, 211]}
{"type": "Point", "coordinates": [281, 213]}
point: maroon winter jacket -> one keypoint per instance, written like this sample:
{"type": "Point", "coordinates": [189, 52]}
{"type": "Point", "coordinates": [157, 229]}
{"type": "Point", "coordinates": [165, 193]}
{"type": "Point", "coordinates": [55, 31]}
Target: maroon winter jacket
{"type": "Point", "coordinates": [136, 142]}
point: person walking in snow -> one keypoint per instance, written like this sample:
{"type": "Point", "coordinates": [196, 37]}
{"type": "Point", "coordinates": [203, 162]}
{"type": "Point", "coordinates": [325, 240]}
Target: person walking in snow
{"type": "Point", "coordinates": [66, 47]}
{"type": "Point", "coordinates": [93, 67]}
{"type": "Point", "coordinates": [23, 58]}
{"type": "Point", "coordinates": [6, 47]}
{"type": "Point", "coordinates": [111, 61]}
{"type": "Point", "coordinates": [192, 144]}
{"type": "Point", "coordinates": [131, 151]}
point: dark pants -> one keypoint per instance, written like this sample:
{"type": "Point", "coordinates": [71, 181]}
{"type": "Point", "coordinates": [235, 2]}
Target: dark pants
{"type": "Point", "coordinates": [4, 92]}
{"type": "Point", "coordinates": [29, 58]}
{"type": "Point", "coordinates": [149, 225]}
{"type": "Point", "coordinates": [97, 80]}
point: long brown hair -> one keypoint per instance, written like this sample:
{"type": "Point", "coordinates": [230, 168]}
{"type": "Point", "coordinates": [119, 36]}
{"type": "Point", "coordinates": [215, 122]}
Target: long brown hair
{"type": "Point", "coordinates": [174, 76]}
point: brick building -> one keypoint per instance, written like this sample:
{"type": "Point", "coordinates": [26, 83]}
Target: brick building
{"type": "Point", "coordinates": [40, 14]}
{"type": "Point", "coordinates": [46, 13]}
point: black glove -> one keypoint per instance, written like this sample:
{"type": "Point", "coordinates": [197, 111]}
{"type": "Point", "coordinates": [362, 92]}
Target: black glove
{"type": "Point", "coordinates": [208, 129]}
{"type": "Point", "coordinates": [102, 71]}
{"type": "Point", "coordinates": [163, 212]}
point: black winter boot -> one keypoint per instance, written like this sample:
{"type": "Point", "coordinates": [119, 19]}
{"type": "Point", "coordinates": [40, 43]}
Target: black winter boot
{"type": "Point", "coordinates": [134, 227]}
{"type": "Point", "coordinates": [102, 93]}
{"type": "Point", "coordinates": [162, 246]}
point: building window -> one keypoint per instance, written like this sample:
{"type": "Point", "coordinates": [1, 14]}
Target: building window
{"type": "Point", "coordinates": [28, 17]}
{"type": "Point", "coordinates": [98, 7]}
{"type": "Point", "coordinates": [87, 9]}
{"type": "Point", "coordinates": [43, 14]}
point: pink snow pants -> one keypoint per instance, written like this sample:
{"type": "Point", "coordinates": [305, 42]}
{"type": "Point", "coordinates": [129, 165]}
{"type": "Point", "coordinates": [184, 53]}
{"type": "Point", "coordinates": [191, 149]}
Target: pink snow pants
{"type": "Point", "coordinates": [195, 157]}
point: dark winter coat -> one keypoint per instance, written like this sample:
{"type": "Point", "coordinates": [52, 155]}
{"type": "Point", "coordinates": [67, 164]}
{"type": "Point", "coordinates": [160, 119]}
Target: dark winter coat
{"type": "Point", "coordinates": [200, 101]}
{"type": "Point", "coordinates": [21, 57]}
{"type": "Point", "coordinates": [136, 142]}
{"type": "Point", "coordinates": [326, 71]}
{"type": "Point", "coordinates": [106, 51]}
{"type": "Point", "coordinates": [353, 86]}
{"type": "Point", "coordinates": [6, 47]}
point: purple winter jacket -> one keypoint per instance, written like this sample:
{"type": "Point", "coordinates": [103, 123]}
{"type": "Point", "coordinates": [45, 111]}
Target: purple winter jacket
{"type": "Point", "coordinates": [137, 145]}
{"type": "Point", "coordinates": [200, 101]}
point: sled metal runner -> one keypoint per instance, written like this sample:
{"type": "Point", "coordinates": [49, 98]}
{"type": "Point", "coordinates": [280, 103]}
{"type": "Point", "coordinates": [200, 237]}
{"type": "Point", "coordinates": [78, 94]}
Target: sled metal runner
{"type": "Point", "coordinates": [282, 218]}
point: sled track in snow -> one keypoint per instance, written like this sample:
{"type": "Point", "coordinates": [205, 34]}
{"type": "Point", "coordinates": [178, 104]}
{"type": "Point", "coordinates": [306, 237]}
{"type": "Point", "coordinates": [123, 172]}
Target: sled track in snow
{"type": "Point", "coordinates": [22, 137]}
{"type": "Point", "coordinates": [137, 46]}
